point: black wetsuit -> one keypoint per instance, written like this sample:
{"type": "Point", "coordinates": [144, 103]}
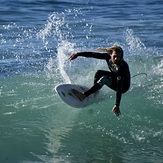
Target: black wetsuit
{"type": "Point", "coordinates": [118, 77]}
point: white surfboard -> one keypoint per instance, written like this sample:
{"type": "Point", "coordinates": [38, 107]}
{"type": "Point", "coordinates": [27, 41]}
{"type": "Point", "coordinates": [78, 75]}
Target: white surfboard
{"type": "Point", "coordinates": [66, 94]}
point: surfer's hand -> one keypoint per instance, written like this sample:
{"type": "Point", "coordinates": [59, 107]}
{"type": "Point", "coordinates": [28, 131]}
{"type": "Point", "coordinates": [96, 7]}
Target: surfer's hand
{"type": "Point", "coordinates": [116, 110]}
{"type": "Point", "coordinates": [73, 56]}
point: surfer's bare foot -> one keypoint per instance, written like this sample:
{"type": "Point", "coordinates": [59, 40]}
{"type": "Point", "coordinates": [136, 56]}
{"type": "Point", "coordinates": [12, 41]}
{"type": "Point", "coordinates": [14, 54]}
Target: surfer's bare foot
{"type": "Point", "coordinates": [80, 95]}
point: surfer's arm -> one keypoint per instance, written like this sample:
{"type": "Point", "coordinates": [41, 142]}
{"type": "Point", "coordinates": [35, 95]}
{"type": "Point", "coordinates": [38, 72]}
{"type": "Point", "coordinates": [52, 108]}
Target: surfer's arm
{"type": "Point", "coordinates": [94, 55]}
{"type": "Point", "coordinates": [116, 108]}
{"type": "Point", "coordinates": [90, 55]}
{"type": "Point", "coordinates": [119, 90]}
{"type": "Point", "coordinates": [118, 97]}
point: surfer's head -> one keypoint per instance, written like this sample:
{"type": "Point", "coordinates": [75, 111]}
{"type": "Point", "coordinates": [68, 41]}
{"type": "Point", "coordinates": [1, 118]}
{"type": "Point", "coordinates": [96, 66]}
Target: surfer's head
{"type": "Point", "coordinates": [116, 53]}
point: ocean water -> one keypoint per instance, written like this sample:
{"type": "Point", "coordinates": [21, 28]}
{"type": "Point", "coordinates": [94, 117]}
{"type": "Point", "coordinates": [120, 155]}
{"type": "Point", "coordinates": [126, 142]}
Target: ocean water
{"type": "Point", "coordinates": [36, 38]}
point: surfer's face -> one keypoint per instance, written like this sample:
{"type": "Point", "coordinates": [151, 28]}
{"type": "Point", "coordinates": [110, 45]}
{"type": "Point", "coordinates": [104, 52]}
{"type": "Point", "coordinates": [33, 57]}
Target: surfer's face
{"type": "Point", "coordinates": [115, 58]}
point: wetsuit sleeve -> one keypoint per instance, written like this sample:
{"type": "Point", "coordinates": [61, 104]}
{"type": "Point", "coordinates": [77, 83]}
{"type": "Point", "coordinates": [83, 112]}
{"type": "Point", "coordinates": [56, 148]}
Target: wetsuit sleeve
{"type": "Point", "coordinates": [94, 55]}
{"type": "Point", "coordinates": [123, 81]}
{"type": "Point", "coordinates": [119, 89]}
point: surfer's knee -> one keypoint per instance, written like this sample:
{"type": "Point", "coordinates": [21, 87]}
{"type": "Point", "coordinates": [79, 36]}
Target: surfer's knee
{"type": "Point", "coordinates": [98, 75]}
{"type": "Point", "coordinates": [104, 80]}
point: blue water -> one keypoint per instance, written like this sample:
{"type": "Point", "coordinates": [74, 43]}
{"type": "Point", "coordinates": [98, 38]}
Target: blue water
{"type": "Point", "coordinates": [36, 38]}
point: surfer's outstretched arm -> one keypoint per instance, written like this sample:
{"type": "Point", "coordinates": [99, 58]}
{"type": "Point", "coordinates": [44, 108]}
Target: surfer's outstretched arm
{"type": "Point", "coordinates": [103, 56]}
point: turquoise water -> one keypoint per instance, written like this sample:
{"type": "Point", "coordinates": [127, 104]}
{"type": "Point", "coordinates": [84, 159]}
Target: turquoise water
{"type": "Point", "coordinates": [36, 38]}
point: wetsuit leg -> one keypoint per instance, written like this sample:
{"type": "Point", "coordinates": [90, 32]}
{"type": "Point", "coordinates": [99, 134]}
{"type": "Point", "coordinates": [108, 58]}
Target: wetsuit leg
{"type": "Point", "coordinates": [101, 73]}
{"type": "Point", "coordinates": [92, 90]}
{"type": "Point", "coordinates": [101, 78]}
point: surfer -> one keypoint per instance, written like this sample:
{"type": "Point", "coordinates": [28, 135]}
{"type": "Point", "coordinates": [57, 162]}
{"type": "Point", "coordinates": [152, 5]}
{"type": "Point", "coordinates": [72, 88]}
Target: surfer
{"type": "Point", "coordinates": [118, 78]}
